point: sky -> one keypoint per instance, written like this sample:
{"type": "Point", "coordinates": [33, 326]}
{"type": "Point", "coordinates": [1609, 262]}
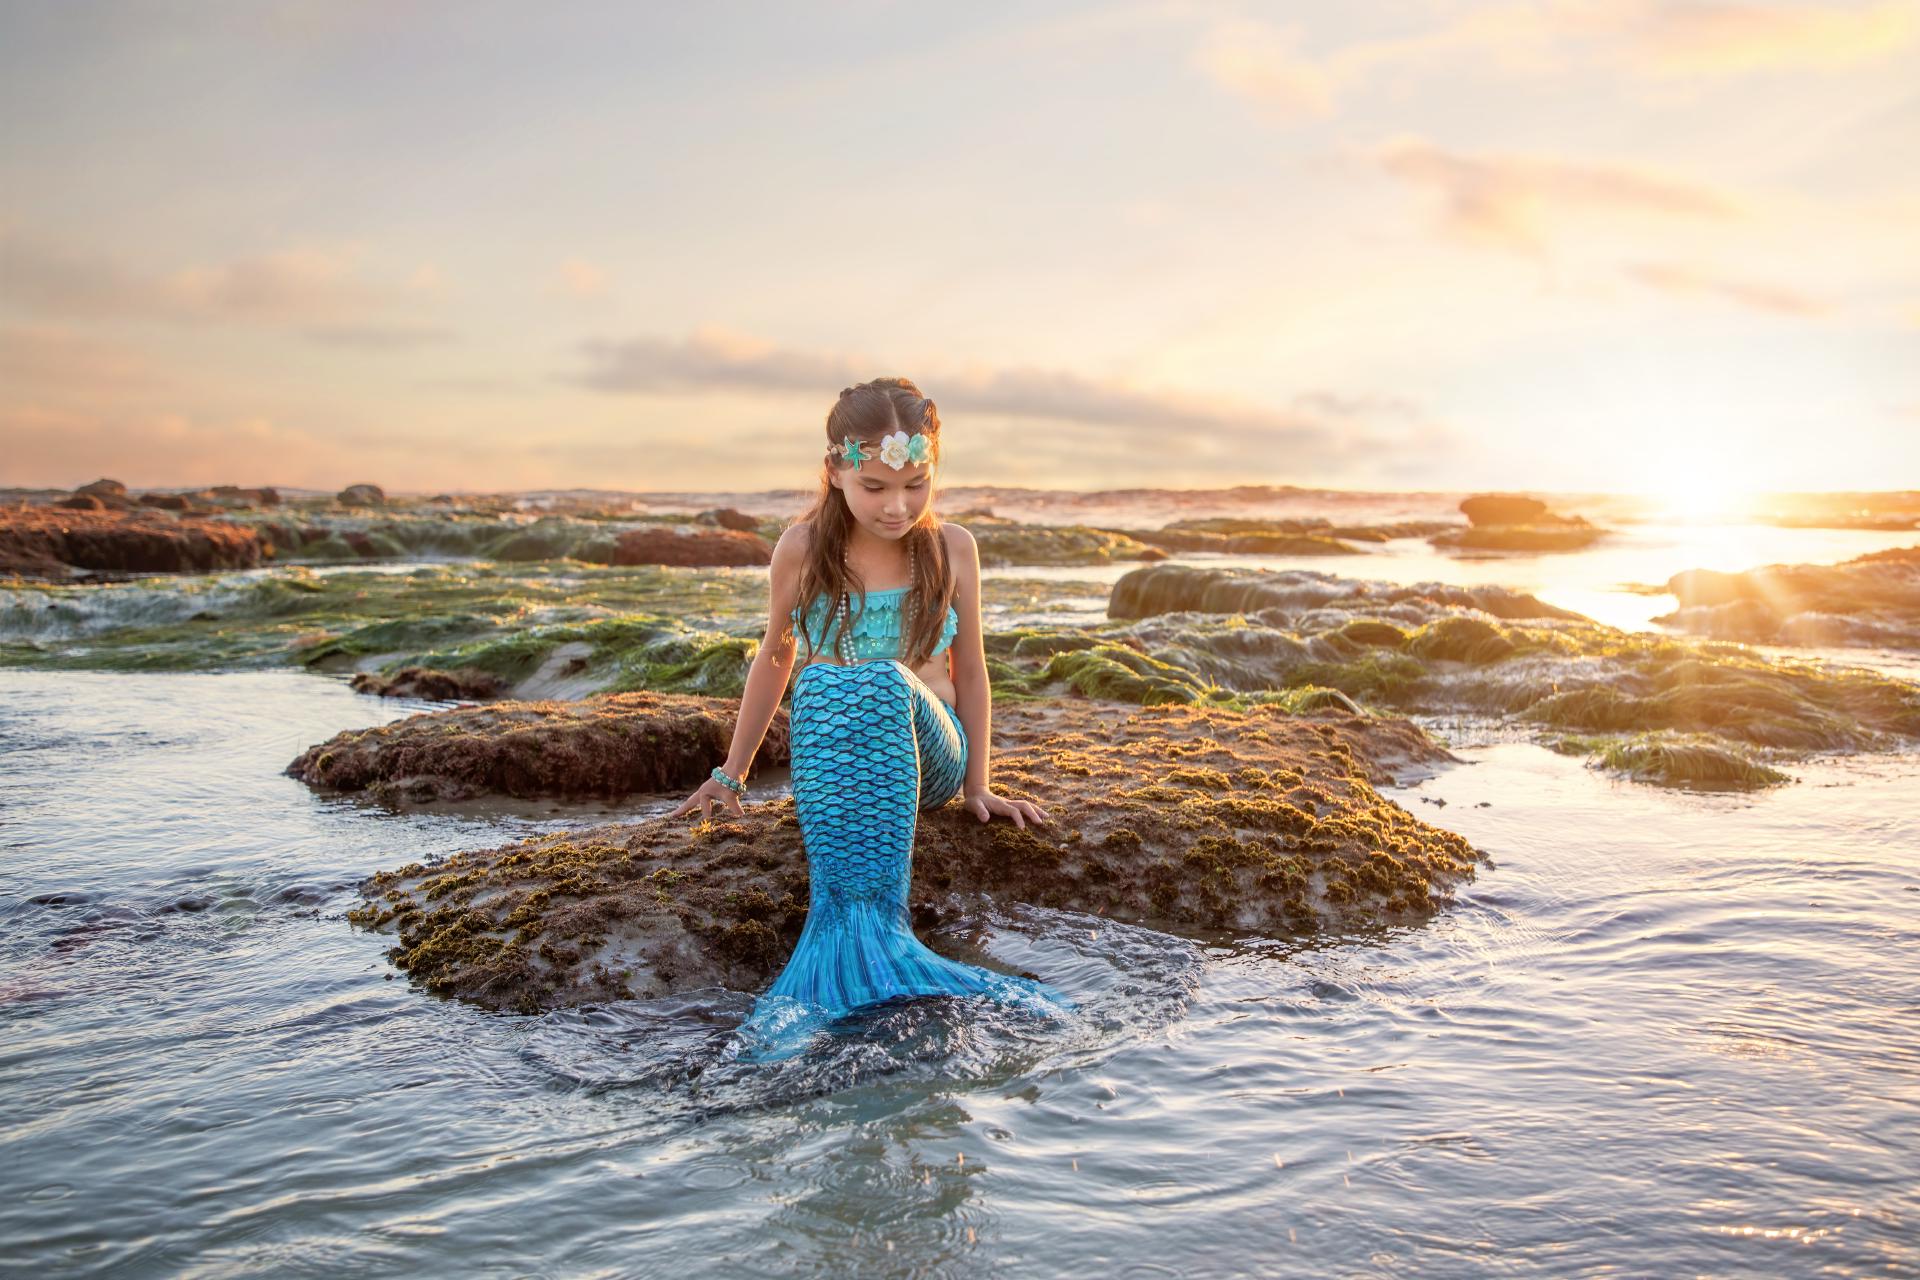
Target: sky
{"type": "Point", "coordinates": [1666, 246]}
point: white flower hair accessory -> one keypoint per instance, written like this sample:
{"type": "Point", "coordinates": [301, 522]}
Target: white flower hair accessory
{"type": "Point", "coordinates": [898, 449]}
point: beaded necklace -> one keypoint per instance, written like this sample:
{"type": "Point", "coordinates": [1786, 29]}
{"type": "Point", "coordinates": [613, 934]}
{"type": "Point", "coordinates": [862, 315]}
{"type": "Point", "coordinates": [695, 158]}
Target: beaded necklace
{"type": "Point", "coordinates": [844, 606]}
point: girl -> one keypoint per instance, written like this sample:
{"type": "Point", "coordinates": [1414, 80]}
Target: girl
{"type": "Point", "coordinates": [890, 715]}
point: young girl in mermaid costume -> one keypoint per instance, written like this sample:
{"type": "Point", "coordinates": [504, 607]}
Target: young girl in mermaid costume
{"type": "Point", "coordinates": [890, 716]}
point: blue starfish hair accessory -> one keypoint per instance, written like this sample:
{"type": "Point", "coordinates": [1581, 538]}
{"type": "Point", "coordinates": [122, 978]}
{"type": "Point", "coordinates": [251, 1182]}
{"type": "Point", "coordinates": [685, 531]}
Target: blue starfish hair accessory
{"type": "Point", "coordinates": [896, 450]}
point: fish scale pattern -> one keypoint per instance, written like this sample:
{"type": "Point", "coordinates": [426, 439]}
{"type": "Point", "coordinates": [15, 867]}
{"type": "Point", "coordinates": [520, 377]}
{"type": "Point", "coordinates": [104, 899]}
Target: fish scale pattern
{"type": "Point", "coordinates": [871, 746]}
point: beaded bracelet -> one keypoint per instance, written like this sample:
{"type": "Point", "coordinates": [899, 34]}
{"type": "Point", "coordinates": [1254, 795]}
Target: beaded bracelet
{"type": "Point", "coordinates": [738, 788]}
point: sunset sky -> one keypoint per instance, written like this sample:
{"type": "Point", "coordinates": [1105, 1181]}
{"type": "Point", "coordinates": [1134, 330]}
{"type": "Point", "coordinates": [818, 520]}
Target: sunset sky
{"type": "Point", "coordinates": [1627, 244]}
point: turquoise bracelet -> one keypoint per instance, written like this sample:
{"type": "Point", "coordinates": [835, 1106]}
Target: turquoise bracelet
{"type": "Point", "coordinates": [738, 788]}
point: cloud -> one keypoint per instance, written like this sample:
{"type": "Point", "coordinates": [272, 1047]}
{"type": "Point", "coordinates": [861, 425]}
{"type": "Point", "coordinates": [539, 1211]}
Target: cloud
{"type": "Point", "coordinates": [1261, 63]}
{"type": "Point", "coordinates": [578, 278]}
{"type": "Point", "coordinates": [1655, 40]}
{"type": "Point", "coordinates": [379, 337]}
{"type": "Point", "coordinates": [47, 445]}
{"type": "Point", "coordinates": [55, 358]}
{"type": "Point", "coordinates": [321, 290]}
{"type": "Point", "coordinates": [1509, 201]}
{"type": "Point", "coordinates": [1692, 38]}
{"type": "Point", "coordinates": [1098, 423]}
{"type": "Point", "coordinates": [1678, 278]}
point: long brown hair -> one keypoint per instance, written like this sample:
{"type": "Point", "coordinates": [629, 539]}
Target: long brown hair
{"type": "Point", "coordinates": [868, 411]}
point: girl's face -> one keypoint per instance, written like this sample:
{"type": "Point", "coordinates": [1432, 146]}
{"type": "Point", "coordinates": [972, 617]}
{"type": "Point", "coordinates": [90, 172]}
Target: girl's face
{"type": "Point", "coordinates": [884, 502]}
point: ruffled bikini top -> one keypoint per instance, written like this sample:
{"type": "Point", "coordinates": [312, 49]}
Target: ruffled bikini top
{"type": "Point", "coordinates": [876, 626]}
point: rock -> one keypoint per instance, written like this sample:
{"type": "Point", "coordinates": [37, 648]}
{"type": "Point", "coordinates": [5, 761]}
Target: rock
{"type": "Point", "coordinates": [103, 489]}
{"type": "Point", "coordinates": [1503, 508]}
{"type": "Point", "coordinates": [235, 496]}
{"type": "Point", "coordinates": [167, 501]}
{"type": "Point", "coordinates": [603, 747]}
{"type": "Point", "coordinates": [1574, 535]}
{"type": "Point", "coordinates": [82, 502]}
{"type": "Point", "coordinates": [1172, 588]}
{"type": "Point", "coordinates": [51, 543]}
{"type": "Point", "coordinates": [1188, 820]}
{"type": "Point", "coordinates": [1870, 600]}
{"type": "Point", "coordinates": [674, 546]}
{"type": "Point", "coordinates": [361, 495]}
{"type": "Point", "coordinates": [467, 684]}
{"type": "Point", "coordinates": [1235, 535]}
{"type": "Point", "coordinates": [1509, 522]}
{"type": "Point", "coordinates": [1006, 543]}
{"type": "Point", "coordinates": [729, 518]}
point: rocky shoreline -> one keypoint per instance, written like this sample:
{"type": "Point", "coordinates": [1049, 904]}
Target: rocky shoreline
{"type": "Point", "coordinates": [161, 531]}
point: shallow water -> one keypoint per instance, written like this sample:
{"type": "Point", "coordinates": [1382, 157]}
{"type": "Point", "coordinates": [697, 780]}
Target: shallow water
{"type": "Point", "coordinates": [1664, 1034]}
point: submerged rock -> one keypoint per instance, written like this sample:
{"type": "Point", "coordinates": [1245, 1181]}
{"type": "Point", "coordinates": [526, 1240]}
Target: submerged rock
{"type": "Point", "coordinates": [604, 747]}
{"type": "Point", "coordinates": [51, 543]}
{"type": "Point", "coordinates": [1200, 821]}
{"type": "Point", "coordinates": [1871, 600]}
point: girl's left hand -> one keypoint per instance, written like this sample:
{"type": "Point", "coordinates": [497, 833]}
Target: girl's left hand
{"type": "Point", "coordinates": [984, 804]}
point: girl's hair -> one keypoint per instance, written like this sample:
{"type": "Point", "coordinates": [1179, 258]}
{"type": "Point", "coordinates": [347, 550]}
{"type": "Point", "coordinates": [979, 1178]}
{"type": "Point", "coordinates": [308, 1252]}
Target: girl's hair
{"type": "Point", "coordinates": [868, 411]}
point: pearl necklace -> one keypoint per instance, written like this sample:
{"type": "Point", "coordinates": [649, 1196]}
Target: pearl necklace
{"type": "Point", "coordinates": [846, 598]}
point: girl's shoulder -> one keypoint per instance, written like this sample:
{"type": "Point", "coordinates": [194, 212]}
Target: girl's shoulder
{"type": "Point", "coordinates": [791, 546]}
{"type": "Point", "coordinates": [959, 540]}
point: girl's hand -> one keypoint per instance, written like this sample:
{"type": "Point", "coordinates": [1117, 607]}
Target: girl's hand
{"type": "Point", "coordinates": [983, 804]}
{"type": "Point", "coordinates": [710, 792]}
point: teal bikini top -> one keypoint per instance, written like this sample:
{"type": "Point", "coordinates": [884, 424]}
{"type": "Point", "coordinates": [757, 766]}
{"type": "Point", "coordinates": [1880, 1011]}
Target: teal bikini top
{"type": "Point", "coordinates": [876, 626]}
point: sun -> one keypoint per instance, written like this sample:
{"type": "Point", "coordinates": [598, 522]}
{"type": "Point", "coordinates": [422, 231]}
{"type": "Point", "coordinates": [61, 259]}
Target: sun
{"type": "Point", "coordinates": [1697, 482]}
{"type": "Point", "coordinates": [1699, 500]}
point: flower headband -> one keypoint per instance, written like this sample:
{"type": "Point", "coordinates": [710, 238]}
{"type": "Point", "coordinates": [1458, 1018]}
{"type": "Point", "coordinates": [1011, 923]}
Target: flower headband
{"type": "Point", "coordinates": [896, 450]}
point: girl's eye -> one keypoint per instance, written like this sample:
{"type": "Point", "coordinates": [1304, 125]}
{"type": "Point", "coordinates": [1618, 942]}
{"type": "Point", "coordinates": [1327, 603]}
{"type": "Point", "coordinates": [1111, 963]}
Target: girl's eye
{"type": "Point", "coordinates": [918, 484]}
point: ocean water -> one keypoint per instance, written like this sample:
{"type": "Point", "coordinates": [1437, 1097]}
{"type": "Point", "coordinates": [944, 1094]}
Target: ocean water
{"type": "Point", "coordinates": [1662, 1034]}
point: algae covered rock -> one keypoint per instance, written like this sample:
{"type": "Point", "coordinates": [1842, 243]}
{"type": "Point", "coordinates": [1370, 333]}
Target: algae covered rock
{"type": "Point", "coordinates": [674, 546]}
{"type": "Point", "coordinates": [1871, 600]}
{"type": "Point", "coordinates": [1004, 542]}
{"type": "Point", "coordinates": [1648, 704]}
{"type": "Point", "coordinates": [604, 747]}
{"type": "Point", "coordinates": [52, 542]}
{"type": "Point", "coordinates": [468, 684]}
{"type": "Point", "coordinates": [1206, 822]}
{"type": "Point", "coordinates": [1172, 588]}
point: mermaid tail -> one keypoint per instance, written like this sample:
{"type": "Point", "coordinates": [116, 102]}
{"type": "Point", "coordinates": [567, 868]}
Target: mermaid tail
{"type": "Point", "coordinates": [871, 747]}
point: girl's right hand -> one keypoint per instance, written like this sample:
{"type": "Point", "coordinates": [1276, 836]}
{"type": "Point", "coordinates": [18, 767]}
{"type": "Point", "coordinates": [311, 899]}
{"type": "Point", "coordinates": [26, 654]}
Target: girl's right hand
{"type": "Point", "coordinates": [710, 792]}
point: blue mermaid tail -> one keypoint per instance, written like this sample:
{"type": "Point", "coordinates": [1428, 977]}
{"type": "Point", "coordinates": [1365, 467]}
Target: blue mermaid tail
{"type": "Point", "coordinates": [871, 747]}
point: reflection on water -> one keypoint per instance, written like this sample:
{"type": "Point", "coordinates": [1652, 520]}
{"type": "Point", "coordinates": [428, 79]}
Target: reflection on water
{"type": "Point", "coordinates": [1663, 1034]}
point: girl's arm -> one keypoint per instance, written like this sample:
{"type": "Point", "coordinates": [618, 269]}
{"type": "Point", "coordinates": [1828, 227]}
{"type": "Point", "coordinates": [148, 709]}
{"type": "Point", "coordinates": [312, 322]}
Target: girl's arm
{"type": "Point", "coordinates": [766, 677]}
{"type": "Point", "coordinates": [973, 695]}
